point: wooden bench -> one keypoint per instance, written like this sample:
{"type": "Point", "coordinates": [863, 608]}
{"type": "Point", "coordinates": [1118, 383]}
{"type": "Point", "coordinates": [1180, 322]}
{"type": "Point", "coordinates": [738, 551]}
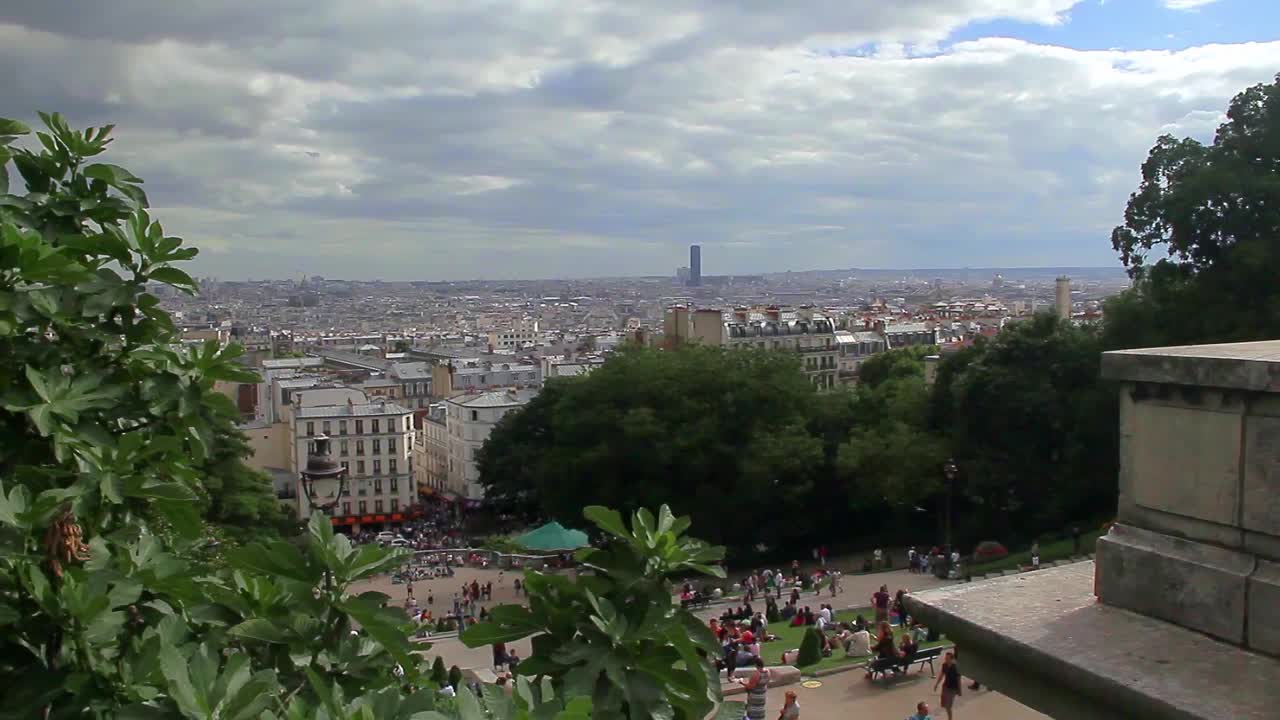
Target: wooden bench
{"type": "Point", "coordinates": [887, 668]}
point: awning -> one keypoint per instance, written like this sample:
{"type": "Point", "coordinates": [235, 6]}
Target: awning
{"type": "Point", "coordinates": [552, 537]}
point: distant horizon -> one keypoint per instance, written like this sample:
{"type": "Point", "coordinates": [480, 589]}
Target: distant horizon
{"type": "Point", "coordinates": [1119, 270]}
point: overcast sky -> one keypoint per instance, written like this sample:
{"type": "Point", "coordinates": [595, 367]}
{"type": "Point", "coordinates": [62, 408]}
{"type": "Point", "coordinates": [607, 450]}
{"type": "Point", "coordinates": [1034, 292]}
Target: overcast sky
{"type": "Point", "coordinates": [434, 139]}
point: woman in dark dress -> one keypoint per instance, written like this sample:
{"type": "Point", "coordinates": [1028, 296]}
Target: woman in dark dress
{"type": "Point", "coordinates": [949, 678]}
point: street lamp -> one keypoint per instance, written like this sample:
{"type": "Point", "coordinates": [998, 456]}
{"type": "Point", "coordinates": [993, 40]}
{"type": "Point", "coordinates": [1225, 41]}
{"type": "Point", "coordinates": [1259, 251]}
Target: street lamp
{"type": "Point", "coordinates": [321, 466]}
{"type": "Point", "coordinates": [950, 470]}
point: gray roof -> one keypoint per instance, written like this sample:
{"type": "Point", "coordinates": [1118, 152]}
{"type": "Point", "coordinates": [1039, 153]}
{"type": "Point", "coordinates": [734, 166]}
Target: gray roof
{"type": "Point", "coordinates": [496, 398]}
{"type": "Point", "coordinates": [378, 408]}
{"type": "Point", "coordinates": [412, 370]}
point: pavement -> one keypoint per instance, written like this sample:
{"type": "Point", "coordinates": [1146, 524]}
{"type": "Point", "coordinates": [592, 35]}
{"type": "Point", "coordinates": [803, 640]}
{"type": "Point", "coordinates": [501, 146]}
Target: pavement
{"type": "Point", "coordinates": [839, 696]}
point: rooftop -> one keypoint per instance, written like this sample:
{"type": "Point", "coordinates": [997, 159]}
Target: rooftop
{"type": "Point", "coordinates": [378, 408]}
{"type": "Point", "coordinates": [495, 398]}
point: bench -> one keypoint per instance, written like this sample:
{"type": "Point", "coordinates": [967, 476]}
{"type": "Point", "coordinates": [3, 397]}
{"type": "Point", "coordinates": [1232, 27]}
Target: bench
{"type": "Point", "coordinates": [886, 668]}
{"type": "Point", "coordinates": [697, 601]}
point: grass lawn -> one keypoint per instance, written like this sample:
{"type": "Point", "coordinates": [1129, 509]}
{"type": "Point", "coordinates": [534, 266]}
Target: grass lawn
{"type": "Point", "coordinates": [1057, 550]}
{"type": "Point", "coordinates": [789, 639]}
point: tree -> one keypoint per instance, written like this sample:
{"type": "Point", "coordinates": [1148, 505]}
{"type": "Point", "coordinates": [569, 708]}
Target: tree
{"type": "Point", "coordinates": [1031, 425]}
{"type": "Point", "coordinates": [721, 435]}
{"type": "Point", "coordinates": [1214, 212]}
{"type": "Point", "coordinates": [617, 636]}
{"type": "Point", "coordinates": [810, 649]}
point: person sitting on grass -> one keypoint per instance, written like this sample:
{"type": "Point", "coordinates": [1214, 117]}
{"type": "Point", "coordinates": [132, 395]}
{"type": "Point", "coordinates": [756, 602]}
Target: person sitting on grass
{"type": "Point", "coordinates": [788, 611]}
{"type": "Point", "coordinates": [859, 642]}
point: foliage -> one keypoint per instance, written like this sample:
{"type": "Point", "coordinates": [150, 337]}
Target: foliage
{"type": "Point", "coordinates": [616, 635]}
{"type": "Point", "coordinates": [439, 675]}
{"type": "Point", "coordinates": [1032, 428]}
{"type": "Point", "coordinates": [720, 435]}
{"type": "Point", "coordinates": [1214, 213]}
{"type": "Point", "coordinates": [110, 425]}
{"type": "Point", "coordinates": [455, 676]}
{"type": "Point", "coordinates": [810, 649]}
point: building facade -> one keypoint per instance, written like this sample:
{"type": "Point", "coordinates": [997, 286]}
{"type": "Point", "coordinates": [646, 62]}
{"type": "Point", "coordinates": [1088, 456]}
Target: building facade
{"type": "Point", "coordinates": [374, 442]}
{"type": "Point", "coordinates": [520, 334]}
{"type": "Point", "coordinates": [431, 450]}
{"type": "Point", "coordinates": [470, 419]}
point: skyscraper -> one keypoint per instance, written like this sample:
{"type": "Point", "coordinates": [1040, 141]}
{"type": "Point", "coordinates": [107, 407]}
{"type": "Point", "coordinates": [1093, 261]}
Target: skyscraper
{"type": "Point", "coordinates": [695, 265]}
{"type": "Point", "coordinates": [1062, 296]}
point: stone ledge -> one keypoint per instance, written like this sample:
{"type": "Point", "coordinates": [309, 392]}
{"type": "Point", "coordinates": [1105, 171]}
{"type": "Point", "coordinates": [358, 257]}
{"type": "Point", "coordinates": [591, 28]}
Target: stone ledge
{"type": "Point", "coordinates": [1241, 366]}
{"type": "Point", "coordinates": [1043, 639]}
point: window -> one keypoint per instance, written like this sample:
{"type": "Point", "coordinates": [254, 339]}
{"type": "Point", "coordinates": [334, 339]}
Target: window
{"type": "Point", "coordinates": [342, 427]}
{"type": "Point", "coordinates": [375, 426]}
{"type": "Point", "coordinates": [359, 447]}
{"type": "Point", "coordinates": [391, 445]}
{"type": "Point", "coordinates": [346, 508]}
{"type": "Point", "coordinates": [377, 486]}
{"type": "Point", "coordinates": [395, 505]}
{"type": "Point", "coordinates": [475, 415]}
{"type": "Point", "coordinates": [359, 427]}
{"type": "Point", "coordinates": [391, 424]}
{"type": "Point", "coordinates": [324, 427]}
{"type": "Point", "coordinates": [377, 506]}
{"type": "Point", "coordinates": [342, 448]}
{"type": "Point", "coordinates": [364, 507]}
{"type": "Point", "coordinates": [346, 466]}
{"type": "Point", "coordinates": [391, 468]}
{"type": "Point", "coordinates": [377, 467]}
{"type": "Point", "coordinates": [395, 484]}
{"type": "Point", "coordinates": [311, 429]}
{"type": "Point", "coordinates": [377, 446]}
{"type": "Point", "coordinates": [359, 467]}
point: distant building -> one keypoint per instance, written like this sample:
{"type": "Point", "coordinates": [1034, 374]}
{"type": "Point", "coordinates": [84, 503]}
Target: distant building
{"type": "Point", "coordinates": [470, 419]}
{"type": "Point", "coordinates": [459, 376]}
{"type": "Point", "coordinates": [682, 275]}
{"type": "Point", "coordinates": [695, 265]}
{"type": "Point", "coordinates": [520, 334]}
{"type": "Point", "coordinates": [374, 442]}
{"type": "Point", "coordinates": [854, 349]}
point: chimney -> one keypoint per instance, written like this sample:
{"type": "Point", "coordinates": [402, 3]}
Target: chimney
{"type": "Point", "coordinates": [773, 314]}
{"type": "Point", "coordinates": [740, 315]}
{"type": "Point", "coordinates": [805, 313]}
{"type": "Point", "coordinates": [879, 326]}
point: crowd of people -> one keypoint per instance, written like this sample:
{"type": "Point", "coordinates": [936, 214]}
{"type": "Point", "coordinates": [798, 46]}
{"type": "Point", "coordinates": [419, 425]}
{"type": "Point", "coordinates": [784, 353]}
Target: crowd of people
{"type": "Point", "coordinates": [435, 528]}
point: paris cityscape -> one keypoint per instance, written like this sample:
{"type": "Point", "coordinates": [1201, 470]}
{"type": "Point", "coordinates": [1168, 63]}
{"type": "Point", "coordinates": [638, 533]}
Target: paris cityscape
{"type": "Point", "coordinates": [701, 361]}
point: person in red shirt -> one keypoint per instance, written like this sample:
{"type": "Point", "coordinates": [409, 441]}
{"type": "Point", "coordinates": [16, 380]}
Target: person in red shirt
{"type": "Point", "coordinates": [880, 601]}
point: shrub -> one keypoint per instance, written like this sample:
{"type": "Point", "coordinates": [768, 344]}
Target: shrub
{"type": "Point", "coordinates": [455, 677]}
{"type": "Point", "coordinates": [439, 675]}
{"type": "Point", "coordinates": [810, 649]}
{"type": "Point", "coordinates": [989, 550]}
{"type": "Point", "coordinates": [772, 613]}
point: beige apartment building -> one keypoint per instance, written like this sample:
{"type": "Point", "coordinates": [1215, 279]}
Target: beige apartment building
{"type": "Point", "coordinates": [431, 450]}
{"type": "Point", "coordinates": [470, 418]}
{"type": "Point", "coordinates": [809, 334]}
{"type": "Point", "coordinates": [374, 442]}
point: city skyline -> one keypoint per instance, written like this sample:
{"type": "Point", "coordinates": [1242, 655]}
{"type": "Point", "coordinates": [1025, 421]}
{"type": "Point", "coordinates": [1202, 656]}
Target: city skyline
{"type": "Point", "coordinates": [425, 140]}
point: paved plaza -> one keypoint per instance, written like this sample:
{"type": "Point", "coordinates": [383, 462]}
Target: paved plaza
{"type": "Point", "coordinates": [843, 695]}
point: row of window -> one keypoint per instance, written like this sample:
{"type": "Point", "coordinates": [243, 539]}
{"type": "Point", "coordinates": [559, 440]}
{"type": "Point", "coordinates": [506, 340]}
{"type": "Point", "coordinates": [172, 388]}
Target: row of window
{"type": "Point", "coordinates": [827, 363]}
{"type": "Point", "coordinates": [375, 426]}
{"type": "Point", "coordinates": [377, 468]}
{"type": "Point", "coordinates": [344, 447]}
{"type": "Point", "coordinates": [363, 506]}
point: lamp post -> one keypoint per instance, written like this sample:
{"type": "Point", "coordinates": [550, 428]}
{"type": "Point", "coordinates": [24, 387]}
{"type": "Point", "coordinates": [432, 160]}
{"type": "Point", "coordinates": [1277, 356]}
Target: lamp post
{"type": "Point", "coordinates": [949, 469]}
{"type": "Point", "coordinates": [321, 466]}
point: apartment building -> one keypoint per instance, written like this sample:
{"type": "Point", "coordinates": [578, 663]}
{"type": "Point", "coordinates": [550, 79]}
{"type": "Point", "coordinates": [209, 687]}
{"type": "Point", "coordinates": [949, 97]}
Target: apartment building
{"type": "Point", "coordinates": [804, 331]}
{"type": "Point", "coordinates": [373, 441]}
{"type": "Point", "coordinates": [469, 420]}
{"type": "Point", "coordinates": [854, 349]}
{"type": "Point", "coordinates": [474, 375]}
{"type": "Point", "coordinates": [431, 449]}
{"type": "Point", "coordinates": [520, 334]}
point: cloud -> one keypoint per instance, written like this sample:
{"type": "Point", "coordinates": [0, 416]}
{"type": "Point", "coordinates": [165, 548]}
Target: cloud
{"type": "Point", "coordinates": [417, 140]}
{"type": "Point", "coordinates": [1187, 4]}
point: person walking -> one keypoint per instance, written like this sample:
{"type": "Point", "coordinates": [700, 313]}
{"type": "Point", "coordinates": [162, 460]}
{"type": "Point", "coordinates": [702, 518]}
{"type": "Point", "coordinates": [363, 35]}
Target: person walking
{"type": "Point", "coordinates": [949, 678]}
{"type": "Point", "coordinates": [757, 690]}
{"type": "Point", "coordinates": [790, 708]}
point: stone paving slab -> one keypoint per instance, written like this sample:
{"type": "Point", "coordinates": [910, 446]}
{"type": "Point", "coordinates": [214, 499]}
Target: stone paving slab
{"type": "Point", "coordinates": [1049, 625]}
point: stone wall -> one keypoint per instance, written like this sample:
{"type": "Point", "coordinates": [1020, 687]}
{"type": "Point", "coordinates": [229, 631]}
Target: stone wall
{"type": "Point", "coordinates": [1197, 539]}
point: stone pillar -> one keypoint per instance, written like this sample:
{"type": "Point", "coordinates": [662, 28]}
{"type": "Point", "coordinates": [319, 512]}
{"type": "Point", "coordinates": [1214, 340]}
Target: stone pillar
{"type": "Point", "coordinates": [1197, 537]}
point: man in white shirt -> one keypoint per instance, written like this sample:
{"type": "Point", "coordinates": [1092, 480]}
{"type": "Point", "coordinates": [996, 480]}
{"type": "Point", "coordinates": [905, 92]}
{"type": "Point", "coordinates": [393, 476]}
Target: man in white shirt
{"type": "Point", "coordinates": [825, 614]}
{"type": "Point", "coordinates": [859, 644]}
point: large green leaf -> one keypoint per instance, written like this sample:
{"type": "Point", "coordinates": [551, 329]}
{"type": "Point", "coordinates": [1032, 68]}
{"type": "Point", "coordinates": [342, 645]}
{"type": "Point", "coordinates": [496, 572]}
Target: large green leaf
{"type": "Point", "coordinates": [260, 629]}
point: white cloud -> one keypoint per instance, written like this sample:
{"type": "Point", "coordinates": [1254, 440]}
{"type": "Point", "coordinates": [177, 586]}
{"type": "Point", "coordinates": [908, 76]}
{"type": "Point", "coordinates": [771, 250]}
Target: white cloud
{"type": "Point", "coordinates": [1187, 4]}
{"type": "Point", "coordinates": [433, 139]}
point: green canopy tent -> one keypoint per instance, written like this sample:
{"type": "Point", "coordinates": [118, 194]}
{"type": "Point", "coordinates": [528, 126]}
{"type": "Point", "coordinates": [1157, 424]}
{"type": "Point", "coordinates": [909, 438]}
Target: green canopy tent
{"type": "Point", "coordinates": [552, 537]}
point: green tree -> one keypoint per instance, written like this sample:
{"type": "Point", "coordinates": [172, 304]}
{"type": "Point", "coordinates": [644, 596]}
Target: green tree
{"type": "Point", "coordinates": [1032, 427]}
{"type": "Point", "coordinates": [1213, 212]}
{"type": "Point", "coordinates": [810, 649]}
{"type": "Point", "coordinates": [720, 435]}
{"type": "Point", "coordinates": [617, 636]}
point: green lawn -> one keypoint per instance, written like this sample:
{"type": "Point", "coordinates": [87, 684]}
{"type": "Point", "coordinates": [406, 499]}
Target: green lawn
{"type": "Point", "coordinates": [1057, 550]}
{"type": "Point", "coordinates": [789, 639]}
